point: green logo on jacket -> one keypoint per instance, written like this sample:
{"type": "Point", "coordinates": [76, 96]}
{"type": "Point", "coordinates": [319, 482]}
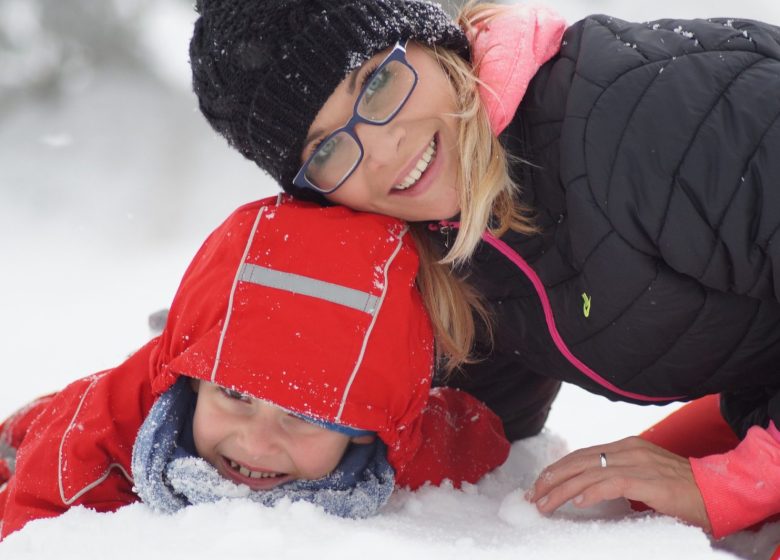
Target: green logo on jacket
{"type": "Point", "coordinates": [585, 305]}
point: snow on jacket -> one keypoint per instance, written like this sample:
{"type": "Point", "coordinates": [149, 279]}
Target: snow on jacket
{"type": "Point", "coordinates": [656, 180]}
{"type": "Point", "coordinates": [314, 309]}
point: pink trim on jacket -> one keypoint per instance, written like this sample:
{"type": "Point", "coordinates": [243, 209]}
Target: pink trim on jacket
{"type": "Point", "coordinates": [508, 50]}
{"type": "Point", "coordinates": [509, 253]}
{"type": "Point", "coordinates": [509, 46]}
{"type": "Point", "coordinates": [741, 487]}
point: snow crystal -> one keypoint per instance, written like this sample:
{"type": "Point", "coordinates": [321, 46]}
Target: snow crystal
{"type": "Point", "coordinates": [680, 31]}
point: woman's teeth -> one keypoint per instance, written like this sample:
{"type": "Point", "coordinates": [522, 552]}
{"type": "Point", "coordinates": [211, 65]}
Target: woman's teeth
{"type": "Point", "coordinates": [420, 168]}
{"type": "Point", "coordinates": [252, 474]}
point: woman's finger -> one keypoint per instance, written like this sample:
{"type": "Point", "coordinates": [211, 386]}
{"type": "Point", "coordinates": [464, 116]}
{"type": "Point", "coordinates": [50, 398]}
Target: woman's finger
{"type": "Point", "coordinates": [597, 484]}
{"type": "Point", "coordinates": [645, 472]}
{"type": "Point", "coordinates": [569, 489]}
{"type": "Point", "coordinates": [626, 452]}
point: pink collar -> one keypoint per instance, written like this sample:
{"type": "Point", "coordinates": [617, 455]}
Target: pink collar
{"type": "Point", "coordinates": [508, 49]}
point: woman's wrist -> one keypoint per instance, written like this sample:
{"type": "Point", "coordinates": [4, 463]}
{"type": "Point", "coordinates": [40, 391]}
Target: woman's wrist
{"type": "Point", "coordinates": [741, 487]}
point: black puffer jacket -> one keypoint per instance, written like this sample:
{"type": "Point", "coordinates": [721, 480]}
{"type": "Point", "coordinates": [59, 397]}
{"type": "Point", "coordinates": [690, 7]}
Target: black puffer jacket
{"type": "Point", "coordinates": [656, 178]}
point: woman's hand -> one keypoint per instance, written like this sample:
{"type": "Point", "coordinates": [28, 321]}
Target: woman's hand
{"type": "Point", "coordinates": [635, 470]}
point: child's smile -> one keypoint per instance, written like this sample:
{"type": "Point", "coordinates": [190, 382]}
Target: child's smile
{"type": "Point", "coordinates": [255, 478]}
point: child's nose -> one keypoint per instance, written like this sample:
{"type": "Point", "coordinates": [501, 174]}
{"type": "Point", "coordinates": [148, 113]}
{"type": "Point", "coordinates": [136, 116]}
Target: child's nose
{"type": "Point", "coordinates": [262, 432]}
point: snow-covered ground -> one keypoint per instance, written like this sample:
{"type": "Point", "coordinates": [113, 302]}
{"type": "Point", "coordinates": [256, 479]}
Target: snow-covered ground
{"type": "Point", "coordinates": [106, 191]}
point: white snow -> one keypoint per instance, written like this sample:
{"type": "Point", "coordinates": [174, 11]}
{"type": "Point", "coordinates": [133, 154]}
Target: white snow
{"type": "Point", "coordinates": [107, 188]}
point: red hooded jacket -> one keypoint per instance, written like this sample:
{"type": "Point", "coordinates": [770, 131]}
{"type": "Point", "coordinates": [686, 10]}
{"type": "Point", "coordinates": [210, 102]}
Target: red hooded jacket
{"type": "Point", "coordinates": [314, 309]}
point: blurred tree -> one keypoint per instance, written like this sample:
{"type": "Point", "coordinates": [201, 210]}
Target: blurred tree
{"type": "Point", "coordinates": [47, 46]}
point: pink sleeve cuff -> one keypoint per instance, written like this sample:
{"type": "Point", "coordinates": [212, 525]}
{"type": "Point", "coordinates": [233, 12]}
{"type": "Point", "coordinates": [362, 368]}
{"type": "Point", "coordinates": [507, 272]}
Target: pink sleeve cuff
{"type": "Point", "coordinates": [742, 487]}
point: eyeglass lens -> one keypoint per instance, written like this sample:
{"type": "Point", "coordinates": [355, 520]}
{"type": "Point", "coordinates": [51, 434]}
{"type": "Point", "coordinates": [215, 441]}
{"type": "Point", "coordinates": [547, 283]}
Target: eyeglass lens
{"type": "Point", "coordinates": [380, 100]}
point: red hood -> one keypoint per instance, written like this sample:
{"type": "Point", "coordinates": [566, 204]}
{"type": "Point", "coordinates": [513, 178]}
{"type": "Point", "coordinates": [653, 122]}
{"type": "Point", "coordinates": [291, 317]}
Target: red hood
{"type": "Point", "coordinates": [314, 309]}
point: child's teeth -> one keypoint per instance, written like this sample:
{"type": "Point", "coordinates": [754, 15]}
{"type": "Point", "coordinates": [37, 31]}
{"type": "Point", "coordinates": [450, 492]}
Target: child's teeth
{"type": "Point", "coordinates": [251, 474]}
{"type": "Point", "coordinates": [261, 475]}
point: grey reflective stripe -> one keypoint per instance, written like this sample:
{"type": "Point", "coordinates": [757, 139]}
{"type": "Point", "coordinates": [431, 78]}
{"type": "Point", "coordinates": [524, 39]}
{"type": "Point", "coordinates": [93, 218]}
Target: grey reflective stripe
{"type": "Point", "coordinates": [8, 454]}
{"type": "Point", "coordinates": [348, 297]}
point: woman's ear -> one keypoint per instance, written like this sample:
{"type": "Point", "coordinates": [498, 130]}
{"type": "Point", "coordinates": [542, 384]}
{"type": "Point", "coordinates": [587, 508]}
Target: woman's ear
{"type": "Point", "coordinates": [363, 440]}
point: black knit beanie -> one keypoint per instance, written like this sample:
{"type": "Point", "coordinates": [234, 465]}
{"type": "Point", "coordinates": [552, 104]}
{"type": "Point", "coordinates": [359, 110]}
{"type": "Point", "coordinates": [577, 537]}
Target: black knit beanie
{"type": "Point", "coordinates": [262, 69]}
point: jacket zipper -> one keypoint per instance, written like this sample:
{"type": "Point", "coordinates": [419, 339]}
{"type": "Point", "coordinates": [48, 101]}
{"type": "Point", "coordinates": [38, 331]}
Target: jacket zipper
{"type": "Point", "coordinates": [529, 272]}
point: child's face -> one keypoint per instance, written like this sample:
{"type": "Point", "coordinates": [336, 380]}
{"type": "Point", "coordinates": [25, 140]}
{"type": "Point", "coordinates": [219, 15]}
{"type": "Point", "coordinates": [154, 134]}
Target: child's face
{"type": "Point", "coordinates": [392, 150]}
{"type": "Point", "coordinates": [252, 442]}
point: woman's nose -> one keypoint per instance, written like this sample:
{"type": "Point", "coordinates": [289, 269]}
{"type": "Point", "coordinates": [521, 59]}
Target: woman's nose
{"type": "Point", "coordinates": [381, 143]}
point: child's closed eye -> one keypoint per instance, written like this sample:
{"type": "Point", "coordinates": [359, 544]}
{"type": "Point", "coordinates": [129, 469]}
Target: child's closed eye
{"type": "Point", "coordinates": [301, 424]}
{"type": "Point", "coordinates": [232, 394]}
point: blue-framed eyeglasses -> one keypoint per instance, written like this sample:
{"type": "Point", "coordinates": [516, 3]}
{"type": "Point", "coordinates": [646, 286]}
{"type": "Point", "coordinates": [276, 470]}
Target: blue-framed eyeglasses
{"type": "Point", "coordinates": [384, 95]}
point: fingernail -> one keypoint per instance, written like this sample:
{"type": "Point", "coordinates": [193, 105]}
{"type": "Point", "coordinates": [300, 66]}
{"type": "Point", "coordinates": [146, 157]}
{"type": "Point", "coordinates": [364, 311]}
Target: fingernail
{"type": "Point", "coordinates": [529, 494]}
{"type": "Point", "coordinates": [541, 502]}
{"type": "Point", "coordinates": [578, 499]}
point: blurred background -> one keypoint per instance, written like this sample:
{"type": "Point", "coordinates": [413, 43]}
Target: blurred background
{"type": "Point", "coordinates": [110, 179]}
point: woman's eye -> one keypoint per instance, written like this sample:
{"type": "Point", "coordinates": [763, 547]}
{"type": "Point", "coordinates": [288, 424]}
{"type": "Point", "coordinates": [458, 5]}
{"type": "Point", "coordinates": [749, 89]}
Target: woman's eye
{"type": "Point", "coordinates": [235, 395]}
{"type": "Point", "coordinates": [377, 82]}
{"type": "Point", "coordinates": [324, 151]}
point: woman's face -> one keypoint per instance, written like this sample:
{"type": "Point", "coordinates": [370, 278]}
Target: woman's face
{"type": "Point", "coordinates": [384, 181]}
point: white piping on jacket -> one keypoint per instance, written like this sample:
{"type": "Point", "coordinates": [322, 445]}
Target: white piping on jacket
{"type": "Point", "coordinates": [233, 293]}
{"type": "Point", "coordinates": [101, 478]}
{"type": "Point", "coordinates": [370, 326]}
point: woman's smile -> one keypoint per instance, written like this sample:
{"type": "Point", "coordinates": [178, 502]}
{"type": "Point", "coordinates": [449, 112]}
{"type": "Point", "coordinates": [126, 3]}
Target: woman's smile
{"type": "Point", "coordinates": [422, 174]}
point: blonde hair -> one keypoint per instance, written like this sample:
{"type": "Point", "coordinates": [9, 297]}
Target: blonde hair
{"type": "Point", "coordinates": [487, 194]}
